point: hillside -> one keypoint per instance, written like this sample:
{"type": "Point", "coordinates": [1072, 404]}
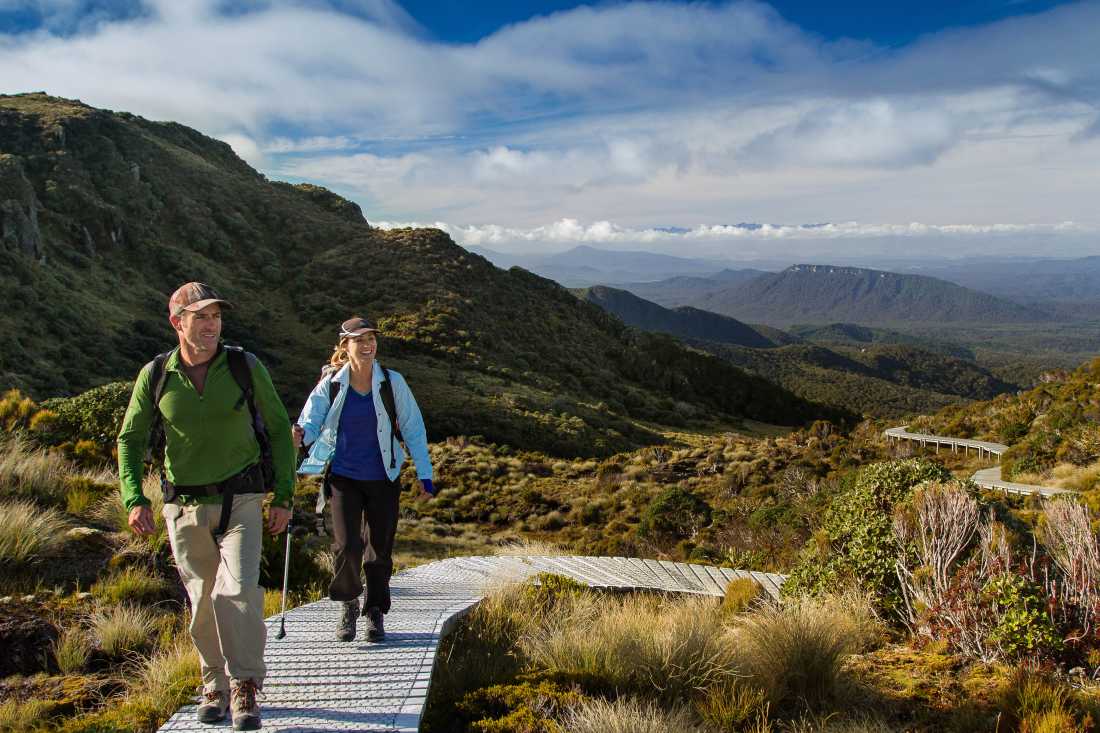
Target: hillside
{"type": "Point", "coordinates": [685, 322]}
{"type": "Point", "coordinates": [105, 213]}
{"type": "Point", "coordinates": [854, 335]}
{"type": "Point", "coordinates": [826, 294]}
{"type": "Point", "coordinates": [886, 380]}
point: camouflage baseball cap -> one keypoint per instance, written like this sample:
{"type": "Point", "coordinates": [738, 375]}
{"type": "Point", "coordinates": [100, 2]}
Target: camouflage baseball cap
{"type": "Point", "coordinates": [193, 296]}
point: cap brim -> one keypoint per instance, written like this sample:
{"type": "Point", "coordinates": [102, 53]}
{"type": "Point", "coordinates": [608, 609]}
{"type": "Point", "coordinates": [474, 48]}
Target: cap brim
{"type": "Point", "coordinates": [198, 305]}
{"type": "Point", "coordinates": [358, 332]}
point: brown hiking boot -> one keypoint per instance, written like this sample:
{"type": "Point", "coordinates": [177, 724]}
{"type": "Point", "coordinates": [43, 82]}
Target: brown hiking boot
{"type": "Point", "coordinates": [375, 630]}
{"type": "Point", "coordinates": [345, 626]}
{"type": "Point", "coordinates": [214, 706]}
{"type": "Point", "coordinates": [246, 711]}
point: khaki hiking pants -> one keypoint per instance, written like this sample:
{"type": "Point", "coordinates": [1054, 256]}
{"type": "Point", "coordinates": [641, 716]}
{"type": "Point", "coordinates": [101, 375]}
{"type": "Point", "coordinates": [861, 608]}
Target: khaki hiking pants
{"type": "Point", "coordinates": [222, 578]}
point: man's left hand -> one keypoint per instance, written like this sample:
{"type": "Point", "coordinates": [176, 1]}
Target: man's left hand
{"type": "Point", "coordinates": [278, 518]}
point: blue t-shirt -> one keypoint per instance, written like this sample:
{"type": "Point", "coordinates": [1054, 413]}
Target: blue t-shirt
{"type": "Point", "coordinates": [357, 453]}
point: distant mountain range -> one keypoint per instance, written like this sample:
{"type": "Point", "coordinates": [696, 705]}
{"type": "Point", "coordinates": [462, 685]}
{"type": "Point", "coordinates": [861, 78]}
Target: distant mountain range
{"type": "Point", "coordinates": [1022, 280]}
{"type": "Point", "coordinates": [871, 371]}
{"type": "Point", "coordinates": [583, 265]}
{"type": "Point", "coordinates": [823, 294]}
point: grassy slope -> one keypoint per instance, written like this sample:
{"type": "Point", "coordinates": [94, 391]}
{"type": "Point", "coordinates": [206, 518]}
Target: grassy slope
{"type": "Point", "coordinates": [129, 208]}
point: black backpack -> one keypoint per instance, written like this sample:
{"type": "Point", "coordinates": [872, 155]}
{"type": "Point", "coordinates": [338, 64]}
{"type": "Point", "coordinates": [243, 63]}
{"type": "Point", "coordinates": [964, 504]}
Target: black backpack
{"type": "Point", "coordinates": [240, 366]}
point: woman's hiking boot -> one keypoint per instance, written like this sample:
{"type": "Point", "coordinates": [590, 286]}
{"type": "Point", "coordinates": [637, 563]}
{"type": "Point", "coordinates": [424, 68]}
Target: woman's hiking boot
{"type": "Point", "coordinates": [375, 630]}
{"type": "Point", "coordinates": [214, 706]}
{"type": "Point", "coordinates": [246, 711]}
{"type": "Point", "coordinates": [345, 627]}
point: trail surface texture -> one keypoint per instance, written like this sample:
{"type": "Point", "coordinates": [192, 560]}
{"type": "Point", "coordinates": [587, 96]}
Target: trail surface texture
{"type": "Point", "coordinates": [316, 683]}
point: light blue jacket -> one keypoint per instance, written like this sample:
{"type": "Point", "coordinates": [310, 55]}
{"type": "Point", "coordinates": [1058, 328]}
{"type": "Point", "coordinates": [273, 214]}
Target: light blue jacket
{"type": "Point", "coordinates": [320, 421]}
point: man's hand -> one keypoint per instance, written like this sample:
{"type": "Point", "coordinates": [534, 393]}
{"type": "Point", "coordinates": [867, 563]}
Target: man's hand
{"type": "Point", "coordinates": [278, 518]}
{"type": "Point", "coordinates": [141, 520]}
{"type": "Point", "coordinates": [298, 434]}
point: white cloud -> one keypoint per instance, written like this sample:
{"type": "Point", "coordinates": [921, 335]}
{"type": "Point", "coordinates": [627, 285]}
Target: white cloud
{"type": "Point", "coordinates": [638, 113]}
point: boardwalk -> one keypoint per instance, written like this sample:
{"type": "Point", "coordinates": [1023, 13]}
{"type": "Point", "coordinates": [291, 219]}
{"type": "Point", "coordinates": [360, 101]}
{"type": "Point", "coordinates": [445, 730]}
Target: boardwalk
{"type": "Point", "coordinates": [987, 478]}
{"type": "Point", "coordinates": [316, 683]}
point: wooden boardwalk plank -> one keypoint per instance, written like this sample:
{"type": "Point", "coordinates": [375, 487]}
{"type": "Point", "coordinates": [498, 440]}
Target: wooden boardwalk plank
{"type": "Point", "coordinates": [317, 684]}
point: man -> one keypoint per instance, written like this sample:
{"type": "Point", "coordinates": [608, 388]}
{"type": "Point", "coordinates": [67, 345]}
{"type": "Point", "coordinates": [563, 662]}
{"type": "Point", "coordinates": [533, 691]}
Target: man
{"type": "Point", "coordinates": [215, 455]}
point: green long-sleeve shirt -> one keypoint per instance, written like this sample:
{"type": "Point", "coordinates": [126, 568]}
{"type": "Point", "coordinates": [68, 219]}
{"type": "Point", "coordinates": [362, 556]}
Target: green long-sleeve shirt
{"type": "Point", "coordinates": [208, 438]}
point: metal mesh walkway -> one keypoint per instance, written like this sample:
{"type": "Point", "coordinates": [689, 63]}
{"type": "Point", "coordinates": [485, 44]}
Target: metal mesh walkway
{"type": "Point", "coordinates": [315, 683]}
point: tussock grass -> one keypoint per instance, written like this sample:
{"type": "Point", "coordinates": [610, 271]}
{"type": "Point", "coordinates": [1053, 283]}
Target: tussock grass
{"type": "Point", "coordinates": [134, 584]}
{"type": "Point", "coordinates": [122, 629]}
{"type": "Point", "coordinates": [527, 546]}
{"type": "Point", "coordinates": [29, 534]}
{"type": "Point", "coordinates": [1038, 704]}
{"type": "Point", "coordinates": [642, 643]}
{"type": "Point", "coordinates": [23, 716]}
{"type": "Point", "coordinates": [171, 675]}
{"type": "Point", "coordinates": [733, 705]}
{"type": "Point", "coordinates": [27, 472]}
{"type": "Point", "coordinates": [795, 652]}
{"type": "Point", "coordinates": [627, 715]}
{"type": "Point", "coordinates": [740, 595]}
{"type": "Point", "coordinates": [72, 649]}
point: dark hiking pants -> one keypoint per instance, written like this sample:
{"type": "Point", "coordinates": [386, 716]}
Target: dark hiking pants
{"type": "Point", "coordinates": [364, 524]}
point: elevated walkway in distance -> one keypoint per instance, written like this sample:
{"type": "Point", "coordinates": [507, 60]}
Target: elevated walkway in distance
{"type": "Point", "coordinates": [316, 683]}
{"type": "Point", "coordinates": [987, 478]}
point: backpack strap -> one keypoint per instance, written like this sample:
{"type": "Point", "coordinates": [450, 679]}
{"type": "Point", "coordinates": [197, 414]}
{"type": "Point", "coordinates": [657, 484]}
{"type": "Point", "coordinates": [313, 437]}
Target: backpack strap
{"type": "Point", "coordinates": [390, 404]}
{"type": "Point", "coordinates": [240, 366]}
{"type": "Point", "coordinates": [155, 450]}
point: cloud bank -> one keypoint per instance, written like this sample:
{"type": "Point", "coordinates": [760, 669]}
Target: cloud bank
{"type": "Point", "coordinates": [648, 114]}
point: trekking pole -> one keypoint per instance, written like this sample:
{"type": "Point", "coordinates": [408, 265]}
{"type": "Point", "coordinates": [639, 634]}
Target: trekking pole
{"type": "Point", "coordinates": [286, 578]}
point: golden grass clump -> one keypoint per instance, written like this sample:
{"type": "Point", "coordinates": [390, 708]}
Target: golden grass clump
{"type": "Point", "coordinates": [626, 715]}
{"type": "Point", "coordinates": [122, 629]}
{"type": "Point", "coordinates": [27, 472]}
{"type": "Point", "coordinates": [740, 595]}
{"type": "Point", "coordinates": [23, 716]}
{"type": "Point", "coordinates": [795, 652]}
{"type": "Point", "coordinates": [29, 533]}
{"type": "Point", "coordinates": [638, 642]}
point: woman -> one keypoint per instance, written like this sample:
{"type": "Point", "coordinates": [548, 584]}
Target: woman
{"type": "Point", "coordinates": [348, 422]}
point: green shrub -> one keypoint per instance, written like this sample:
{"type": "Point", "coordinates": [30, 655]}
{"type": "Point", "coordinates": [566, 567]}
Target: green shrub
{"type": "Point", "coordinates": [1023, 625]}
{"type": "Point", "coordinates": [856, 542]}
{"type": "Point", "coordinates": [95, 415]}
{"type": "Point", "coordinates": [515, 708]}
{"type": "Point", "coordinates": [675, 514]}
{"type": "Point", "coordinates": [29, 534]}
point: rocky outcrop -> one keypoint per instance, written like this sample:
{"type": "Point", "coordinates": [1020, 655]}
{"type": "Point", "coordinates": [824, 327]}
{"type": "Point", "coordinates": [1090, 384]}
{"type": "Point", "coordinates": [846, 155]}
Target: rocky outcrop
{"type": "Point", "coordinates": [18, 209]}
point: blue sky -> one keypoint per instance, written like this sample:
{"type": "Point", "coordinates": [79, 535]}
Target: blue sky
{"type": "Point", "coordinates": [945, 128]}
